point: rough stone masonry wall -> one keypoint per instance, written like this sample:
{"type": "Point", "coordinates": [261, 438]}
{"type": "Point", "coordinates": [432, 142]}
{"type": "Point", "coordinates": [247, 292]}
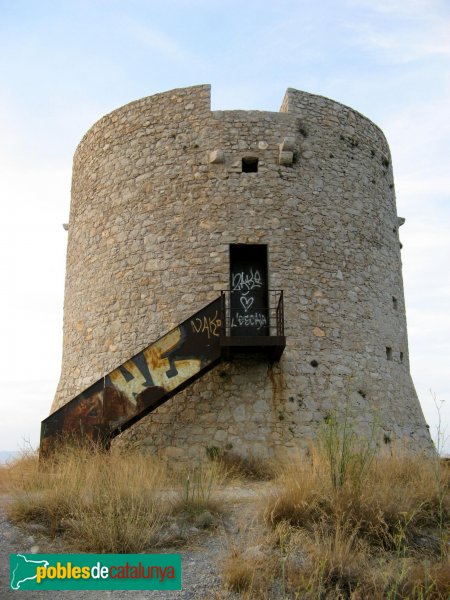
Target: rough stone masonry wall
{"type": "Point", "coordinates": [159, 194]}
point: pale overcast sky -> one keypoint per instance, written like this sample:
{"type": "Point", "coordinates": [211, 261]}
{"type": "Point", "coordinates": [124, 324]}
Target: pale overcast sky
{"type": "Point", "coordinates": [65, 64]}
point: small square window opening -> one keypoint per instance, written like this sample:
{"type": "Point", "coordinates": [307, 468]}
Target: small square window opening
{"type": "Point", "coordinates": [250, 164]}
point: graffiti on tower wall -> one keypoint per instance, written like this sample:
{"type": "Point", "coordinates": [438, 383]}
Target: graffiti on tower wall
{"type": "Point", "coordinates": [141, 383]}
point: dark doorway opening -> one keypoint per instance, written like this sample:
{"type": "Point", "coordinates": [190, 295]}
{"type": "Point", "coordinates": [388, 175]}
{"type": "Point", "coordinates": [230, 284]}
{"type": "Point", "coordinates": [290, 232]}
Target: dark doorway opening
{"type": "Point", "coordinates": [249, 301]}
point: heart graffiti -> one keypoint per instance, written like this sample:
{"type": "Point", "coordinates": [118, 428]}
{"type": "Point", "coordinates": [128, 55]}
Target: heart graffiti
{"type": "Point", "coordinates": [246, 302]}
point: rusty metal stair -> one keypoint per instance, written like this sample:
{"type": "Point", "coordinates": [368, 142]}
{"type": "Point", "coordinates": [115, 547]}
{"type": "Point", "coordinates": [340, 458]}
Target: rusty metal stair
{"type": "Point", "coordinates": [158, 372]}
{"type": "Point", "coordinates": [141, 384]}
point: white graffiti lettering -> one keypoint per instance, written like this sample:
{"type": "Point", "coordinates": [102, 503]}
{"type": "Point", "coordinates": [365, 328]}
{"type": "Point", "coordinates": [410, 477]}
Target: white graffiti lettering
{"type": "Point", "coordinates": [245, 282]}
{"type": "Point", "coordinates": [257, 320]}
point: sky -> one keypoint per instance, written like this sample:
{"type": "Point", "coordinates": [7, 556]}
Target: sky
{"type": "Point", "coordinates": [65, 64]}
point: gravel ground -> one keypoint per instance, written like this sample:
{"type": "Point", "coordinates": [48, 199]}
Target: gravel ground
{"type": "Point", "coordinates": [200, 578]}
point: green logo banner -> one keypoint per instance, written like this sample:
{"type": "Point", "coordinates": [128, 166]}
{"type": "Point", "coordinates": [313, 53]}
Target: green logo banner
{"type": "Point", "coordinates": [95, 571]}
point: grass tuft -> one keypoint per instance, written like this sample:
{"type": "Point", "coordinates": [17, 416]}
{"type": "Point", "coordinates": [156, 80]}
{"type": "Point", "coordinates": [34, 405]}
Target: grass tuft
{"type": "Point", "coordinates": [250, 565]}
{"type": "Point", "coordinates": [250, 467]}
{"type": "Point", "coordinates": [198, 489]}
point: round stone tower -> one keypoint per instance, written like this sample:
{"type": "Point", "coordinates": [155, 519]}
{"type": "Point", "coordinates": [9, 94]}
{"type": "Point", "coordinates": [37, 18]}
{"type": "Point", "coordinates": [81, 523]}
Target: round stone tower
{"type": "Point", "coordinates": [166, 192]}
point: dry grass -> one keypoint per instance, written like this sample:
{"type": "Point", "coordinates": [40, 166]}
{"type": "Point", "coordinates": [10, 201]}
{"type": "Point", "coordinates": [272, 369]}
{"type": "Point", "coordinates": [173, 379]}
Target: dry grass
{"type": "Point", "coordinates": [240, 574]}
{"type": "Point", "coordinates": [334, 561]}
{"type": "Point", "coordinates": [251, 467]}
{"type": "Point", "coordinates": [120, 507]}
{"type": "Point", "coordinates": [4, 479]}
{"type": "Point", "coordinates": [402, 496]}
{"type": "Point", "coordinates": [112, 502]}
{"type": "Point", "coordinates": [380, 535]}
{"type": "Point", "coordinates": [298, 496]}
{"type": "Point", "coordinates": [397, 493]}
{"type": "Point", "coordinates": [99, 502]}
{"type": "Point", "coordinates": [250, 565]}
{"type": "Point", "coordinates": [425, 580]}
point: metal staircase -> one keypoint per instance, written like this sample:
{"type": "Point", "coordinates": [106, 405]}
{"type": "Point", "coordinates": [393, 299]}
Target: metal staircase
{"type": "Point", "coordinates": [158, 372]}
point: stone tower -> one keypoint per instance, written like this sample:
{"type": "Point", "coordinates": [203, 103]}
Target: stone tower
{"type": "Point", "coordinates": [165, 192]}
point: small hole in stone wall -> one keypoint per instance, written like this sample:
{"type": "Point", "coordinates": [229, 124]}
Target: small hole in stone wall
{"type": "Point", "coordinates": [394, 230]}
{"type": "Point", "coordinates": [314, 363]}
{"type": "Point", "coordinates": [386, 438]}
{"type": "Point", "coordinates": [249, 164]}
{"type": "Point", "coordinates": [388, 352]}
{"type": "Point", "coordinates": [401, 357]}
{"type": "Point", "coordinates": [394, 302]}
{"type": "Point", "coordinates": [362, 393]}
{"type": "Point", "coordinates": [303, 131]}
